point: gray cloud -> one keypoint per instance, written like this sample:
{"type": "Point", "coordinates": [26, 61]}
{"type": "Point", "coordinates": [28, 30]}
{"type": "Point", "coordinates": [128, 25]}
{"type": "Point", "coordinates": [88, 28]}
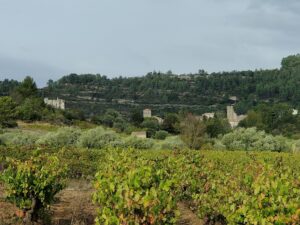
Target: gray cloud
{"type": "Point", "coordinates": [17, 69]}
{"type": "Point", "coordinates": [117, 37]}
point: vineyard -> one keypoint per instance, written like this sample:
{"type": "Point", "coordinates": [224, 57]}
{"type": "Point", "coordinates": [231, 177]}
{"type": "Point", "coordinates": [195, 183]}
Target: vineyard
{"type": "Point", "coordinates": [147, 187]}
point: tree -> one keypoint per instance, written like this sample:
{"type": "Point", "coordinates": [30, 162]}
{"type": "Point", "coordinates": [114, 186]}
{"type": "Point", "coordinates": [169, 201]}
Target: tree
{"type": "Point", "coordinates": [32, 185]}
{"type": "Point", "coordinates": [171, 123]}
{"type": "Point", "coordinates": [7, 112]}
{"type": "Point", "coordinates": [290, 61]}
{"type": "Point", "coordinates": [217, 126]}
{"type": "Point", "coordinates": [110, 117]}
{"type": "Point", "coordinates": [136, 117]}
{"type": "Point", "coordinates": [193, 131]}
{"type": "Point", "coordinates": [151, 125]}
{"type": "Point", "coordinates": [161, 135]}
{"type": "Point", "coordinates": [27, 89]}
{"type": "Point", "coordinates": [31, 109]}
{"type": "Point", "coordinates": [253, 119]}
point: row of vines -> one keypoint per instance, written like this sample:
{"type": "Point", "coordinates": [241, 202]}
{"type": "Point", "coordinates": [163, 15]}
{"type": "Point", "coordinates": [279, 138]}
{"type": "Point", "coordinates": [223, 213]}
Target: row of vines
{"type": "Point", "coordinates": [233, 188]}
{"type": "Point", "coordinates": [144, 187]}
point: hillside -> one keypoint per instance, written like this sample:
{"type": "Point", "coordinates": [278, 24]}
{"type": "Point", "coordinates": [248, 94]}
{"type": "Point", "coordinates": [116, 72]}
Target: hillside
{"type": "Point", "coordinates": [200, 92]}
{"type": "Point", "coordinates": [167, 92]}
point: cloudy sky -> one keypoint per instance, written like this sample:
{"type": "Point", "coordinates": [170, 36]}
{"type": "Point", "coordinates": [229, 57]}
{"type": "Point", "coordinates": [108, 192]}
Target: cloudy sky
{"type": "Point", "coordinates": [50, 38]}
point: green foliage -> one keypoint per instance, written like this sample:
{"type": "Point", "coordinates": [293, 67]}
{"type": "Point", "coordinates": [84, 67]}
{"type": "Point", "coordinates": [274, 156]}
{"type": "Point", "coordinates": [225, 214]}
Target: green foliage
{"type": "Point", "coordinates": [132, 190]}
{"type": "Point", "coordinates": [250, 139]}
{"type": "Point", "coordinates": [7, 112]}
{"type": "Point", "coordinates": [7, 86]}
{"type": "Point", "coordinates": [73, 115]}
{"type": "Point", "coordinates": [193, 131]}
{"type": "Point", "coordinates": [171, 123]}
{"type": "Point", "coordinates": [151, 125]}
{"type": "Point", "coordinates": [81, 162]}
{"type": "Point", "coordinates": [97, 138]}
{"type": "Point", "coordinates": [236, 187]}
{"type": "Point", "coordinates": [27, 89]}
{"type": "Point", "coordinates": [136, 117]}
{"type": "Point", "coordinates": [273, 118]}
{"type": "Point", "coordinates": [249, 188]}
{"type": "Point", "coordinates": [139, 143]}
{"type": "Point", "coordinates": [65, 136]}
{"type": "Point", "coordinates": [32, 185]}
{"type": "Point", "coordinates": [173, 143]}
{"type": "Point", "coordinates": [111, 118]}
{"type": "Point", "coordinates": [198, 92]}
{"type": "Point", "coordinates": [273, 198]}
{"type": "Point", "coordinates": [18, 138]}
{"type": "Point", "coordinates": [291, 62]}
{"type": "Point", "coordinates": [253, 119]}
{"type": "Point", "coordinates": [31, 109]}
{"type": "Point", "coordinates": [230, 188]}
{"type": "Point", "coordinates": [161, 135]}
{"type": "Point", "coordinates": [217, 126]}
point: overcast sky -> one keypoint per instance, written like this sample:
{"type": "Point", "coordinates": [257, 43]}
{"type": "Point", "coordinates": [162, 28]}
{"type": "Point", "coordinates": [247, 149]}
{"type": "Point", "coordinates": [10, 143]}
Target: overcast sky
{"type": "Point", "coordinates": [47, 39]}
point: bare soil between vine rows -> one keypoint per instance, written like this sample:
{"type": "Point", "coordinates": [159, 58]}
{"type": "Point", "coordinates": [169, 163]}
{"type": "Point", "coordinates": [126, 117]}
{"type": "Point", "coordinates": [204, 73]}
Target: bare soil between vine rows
{"type": "Point", "coordinates": [74, 207]}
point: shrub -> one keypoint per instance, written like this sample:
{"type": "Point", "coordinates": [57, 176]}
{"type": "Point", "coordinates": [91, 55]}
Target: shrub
{"type": "Point", "coordinates": [173, 143]}
{"type": "Point", "coordinates": [161, 135]}
{"type": "Point", "coordinates": [32, 185]}
{"type": "Point", "coordinates": [139, 143]}
{"type": "Point", "coordinates": [65, 136]}
{"type": "Point", "coordinates": [251, 139]}
{"type": "Point", "coordinates": [151, 125]}
{"type": "Point", "coordinates": [18, 138]}
{"type": "Point", "coordinates": [131, 190]}
{"type": "Point", "coordinates": [129, 129]}
{"type": "Point", "coordinates": [97, 138]}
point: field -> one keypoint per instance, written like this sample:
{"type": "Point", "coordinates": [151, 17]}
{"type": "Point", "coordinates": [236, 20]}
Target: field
{"type": "Point", "coordinates": [153, 186]}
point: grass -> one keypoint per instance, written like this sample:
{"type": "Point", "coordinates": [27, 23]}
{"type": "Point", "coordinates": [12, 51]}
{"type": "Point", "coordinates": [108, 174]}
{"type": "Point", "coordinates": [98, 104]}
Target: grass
{"type": "Point", "coordinates": [37, 126]}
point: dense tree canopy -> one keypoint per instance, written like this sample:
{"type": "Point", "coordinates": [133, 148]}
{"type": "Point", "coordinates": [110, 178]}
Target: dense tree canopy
{"type": "Point", "coordinates": [273, 118]}
{"type": "Point", "coordinates": [167, 92]}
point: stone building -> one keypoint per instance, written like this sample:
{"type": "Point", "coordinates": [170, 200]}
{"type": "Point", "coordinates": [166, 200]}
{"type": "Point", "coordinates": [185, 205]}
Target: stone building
{"type": "Point", "coordinates": [159, 120]}
{"type": "Point", "coordinates": [56, 103]}
{"type": "Point", "coordinates": [208, 115]}
{"type": "Point", "coordinates": [295, 112]}
{"type": "Point", "coordinates": [147, 113]}
{"type": "Point", "coordinates": [233, 118]}
{"type": "Point", "coordinates": [139, 134]}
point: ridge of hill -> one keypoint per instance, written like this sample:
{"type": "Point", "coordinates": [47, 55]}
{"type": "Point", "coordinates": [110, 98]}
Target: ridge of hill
{"type": "Point", "coordinates": [167, 92]}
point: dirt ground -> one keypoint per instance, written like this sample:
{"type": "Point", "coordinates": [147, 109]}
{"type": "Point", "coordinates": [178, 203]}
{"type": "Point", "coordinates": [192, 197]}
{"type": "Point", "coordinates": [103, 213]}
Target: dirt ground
{"type": "Point", "coordinates": [74, 207]}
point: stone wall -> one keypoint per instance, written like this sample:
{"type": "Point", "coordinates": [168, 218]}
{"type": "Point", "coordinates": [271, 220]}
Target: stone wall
{"type": "Point", "coordinates": [233, 118]}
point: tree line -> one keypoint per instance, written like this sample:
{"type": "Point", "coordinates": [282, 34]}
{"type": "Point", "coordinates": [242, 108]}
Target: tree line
{"type": "Point", "coordinates": [201, 88]}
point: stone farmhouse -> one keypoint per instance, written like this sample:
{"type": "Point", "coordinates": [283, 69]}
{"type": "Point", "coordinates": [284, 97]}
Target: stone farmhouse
{"type": "Point", "coordinates": [147, 113]}
{"type": "Point", "coordinates": [56, 103]}
{"type": "Point", "coordinates": [139, 134]}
